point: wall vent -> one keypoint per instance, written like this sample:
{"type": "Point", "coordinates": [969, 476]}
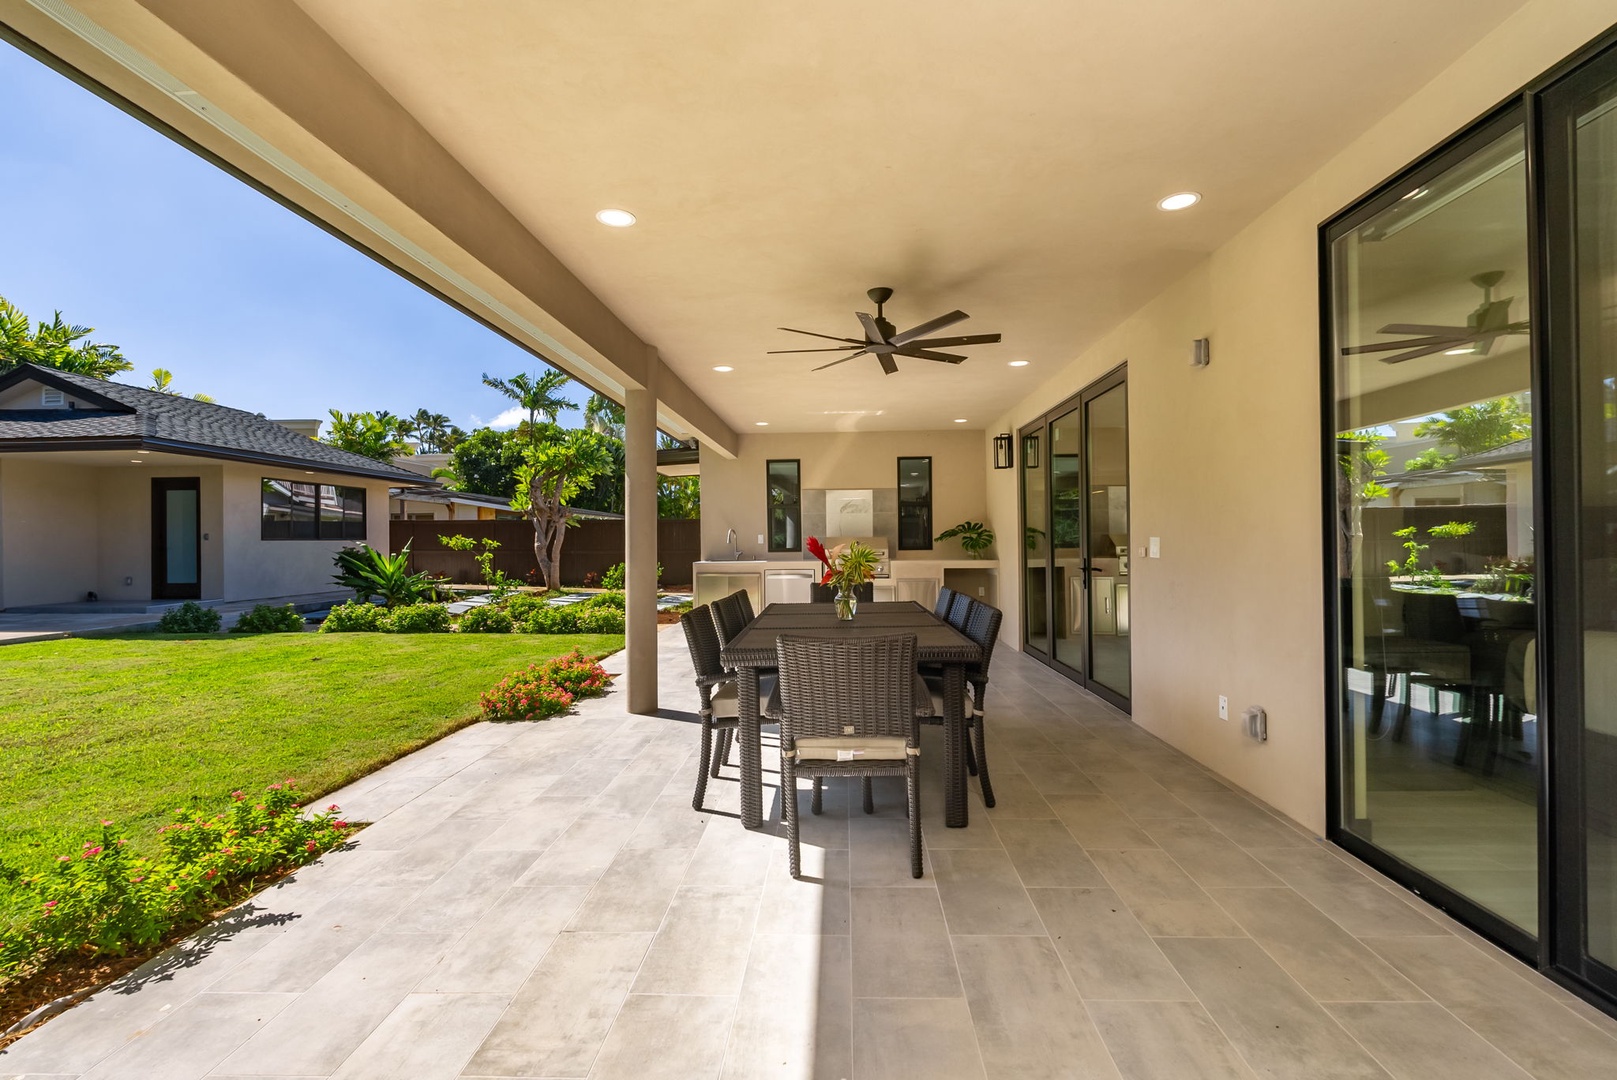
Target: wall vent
{"type": "Point", "coordinates": [52, 399]}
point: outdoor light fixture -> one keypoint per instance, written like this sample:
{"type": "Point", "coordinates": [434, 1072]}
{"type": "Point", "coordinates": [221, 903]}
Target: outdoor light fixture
{"type": "Point", "coordinates": [1003, 454]}
{"type": "Point", "coordinates": [618, 219]}
{"type": "Point", "coordinates": [1030, 452]}
{"type": "Point", "coordinates": [1179, 201]}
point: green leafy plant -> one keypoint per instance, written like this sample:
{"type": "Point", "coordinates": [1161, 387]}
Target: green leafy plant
{"type": "Point", "coordinates": [499, 583]}
{"type": "Point", "coordinates": [54, 344]}
{"type": "Point", "coordinates": [485, 619]}
{"type": "Point", "coordinates": [268, 619]}
{"type": "Point", "coordinates": [552, 620]}
{"type": "Point", "coordinates": [1363, 463]}
{"type": "Point", "coordinates": [370, 572]}
{"type": "Point", "coordinates": [601, 621]}
{"type": "Point", "coordinates": [416, 619]}
{"type": "Point", "coordinates": [374, 435]}
{"type": "Point", "coordinates": [103, 900]}
{"type": "Point", "coordinates": [354, 617]}
{"type": "Point", "coordinates": [614, 600]}
{"type": "Point", "coordinates": [543, 690]}
{"type": "Point", "coordinates": [522, 605]}
{"type": "Point", "coordinates": [613, 578]}
{"type": "Point", "coordinates": [975, 537]}
{"type": "Point", "coordinates": [189, 618]}
{"type": "Point", "coordinates": [1427, 577]}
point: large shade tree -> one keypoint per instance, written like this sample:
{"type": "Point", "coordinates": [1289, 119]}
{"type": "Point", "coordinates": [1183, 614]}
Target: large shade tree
{"type": "Point", "coordinates": [54, 344]}
{"type": "Point", "coordinates": [558, 463]}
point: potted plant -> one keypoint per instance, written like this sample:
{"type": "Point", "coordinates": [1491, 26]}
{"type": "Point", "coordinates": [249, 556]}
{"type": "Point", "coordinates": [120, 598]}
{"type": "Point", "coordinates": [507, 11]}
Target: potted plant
{"type": "Point", "coordinates": [846, 568]}
{"type": "Point", "coordinates": [975, 537]}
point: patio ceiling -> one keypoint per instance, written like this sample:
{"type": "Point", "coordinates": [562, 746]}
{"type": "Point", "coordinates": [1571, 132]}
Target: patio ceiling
{"type": "Point", "coordinates": [1002, 158]}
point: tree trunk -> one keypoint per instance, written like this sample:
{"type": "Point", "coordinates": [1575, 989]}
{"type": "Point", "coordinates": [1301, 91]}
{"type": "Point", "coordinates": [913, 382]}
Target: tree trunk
{"type": "Point", "coordinates": [549, 570]}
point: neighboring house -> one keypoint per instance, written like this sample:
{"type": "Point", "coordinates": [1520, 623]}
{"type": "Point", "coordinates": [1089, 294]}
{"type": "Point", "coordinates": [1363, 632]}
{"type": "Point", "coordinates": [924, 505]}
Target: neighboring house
{"type": "Point", "coordinates": [134, 495]}
{"type": "Point", "coordinates": [440, 504]}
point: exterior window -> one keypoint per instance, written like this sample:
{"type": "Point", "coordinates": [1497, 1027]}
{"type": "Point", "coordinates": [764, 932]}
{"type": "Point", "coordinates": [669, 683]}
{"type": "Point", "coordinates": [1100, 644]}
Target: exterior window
{"type": "Point", "coordinates": [294, 511]}
{"type": "Point", "coordinates": [914, 504]}
{"type": "Point", "coordinates": [785, 486]}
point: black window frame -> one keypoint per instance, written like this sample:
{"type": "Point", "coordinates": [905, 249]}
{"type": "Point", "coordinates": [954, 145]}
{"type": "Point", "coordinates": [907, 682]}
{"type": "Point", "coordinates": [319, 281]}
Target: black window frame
{"type": "Point", "coordinates": [314, 511]}
{"type": "Point", "coordinates": [926, 532]}
{"type": "Point", "coordinates": [793, 508]}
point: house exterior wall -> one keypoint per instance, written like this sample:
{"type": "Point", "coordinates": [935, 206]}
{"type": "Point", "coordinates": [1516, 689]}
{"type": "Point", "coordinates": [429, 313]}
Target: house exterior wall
{"type": "Point", "coordinates": [254, 567]}
{"type": "Point", "coordinates": [1234, 605]}
{"type": "Point", "coordinates": [48, 532]}
{"type": "Point", "coordinates": [124, 527]}
{"type": "Point", "coordinates": [733, 489]}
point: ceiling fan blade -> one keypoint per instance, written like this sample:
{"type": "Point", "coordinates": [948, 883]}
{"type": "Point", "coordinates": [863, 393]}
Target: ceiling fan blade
{"type": "Point", "coordinates": [888, 364]}
{"type": "Point", "coordinates": [954, 342]}
{"type": "Point", "coordinates": [1423, 329]}
{"type": "Point", "coordinates": [1427, 350]}
{"type": "Point", "coordinates": [842, 360]}
{"type": "Point", "coordinates": [923, 354]}
{"type": "Point", "coordinates": [927, 327]}
{"type": "Point", "coordinates": [833, 348]}
{"type": "Point", "coordinates": [1407, 343]}
{"type": "Point", "coordinates": [872, 331]}
{"type": "Point", "coordinates": [828, 337]}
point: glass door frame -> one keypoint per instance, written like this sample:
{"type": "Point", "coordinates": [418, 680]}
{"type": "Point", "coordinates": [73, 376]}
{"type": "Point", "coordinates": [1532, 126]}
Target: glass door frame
{"type": "Point", "coordinates": [1040, 428]}
{"type": "Point", "coordinates": [1544, 107]}
{"type": "Point", "coordinates": [162, 588]}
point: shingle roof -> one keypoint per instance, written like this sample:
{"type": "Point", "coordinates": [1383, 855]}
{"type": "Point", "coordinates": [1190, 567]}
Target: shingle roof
{"type": "Point", "coordinates": [132, 415]}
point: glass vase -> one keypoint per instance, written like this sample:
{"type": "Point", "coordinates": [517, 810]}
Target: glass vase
{"type": "Point", "coordinates": [847, 602]}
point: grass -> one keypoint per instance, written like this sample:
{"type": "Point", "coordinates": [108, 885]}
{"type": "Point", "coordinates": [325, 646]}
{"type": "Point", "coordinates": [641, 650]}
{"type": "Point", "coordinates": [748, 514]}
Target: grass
{"type": "Point", "coordinates": [131, 727]}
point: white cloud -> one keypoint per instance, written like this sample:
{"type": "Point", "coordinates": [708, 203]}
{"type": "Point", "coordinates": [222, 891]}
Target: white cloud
{"type": "Point", "coordinates": [510, 418]}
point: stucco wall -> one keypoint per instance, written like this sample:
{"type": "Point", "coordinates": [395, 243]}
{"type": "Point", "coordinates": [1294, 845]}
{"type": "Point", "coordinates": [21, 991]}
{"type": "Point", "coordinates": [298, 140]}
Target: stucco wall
{"type": "Point", "coordinates": [1234, 604]}
{"type": "Point", "coordinates": [256, 568]}
{"type": "Point", "coordinates": [48, 530]}
{"type": "Point", "coordinates": [124, 530]}
{"type": "Point", "coordinates": [733, 490]}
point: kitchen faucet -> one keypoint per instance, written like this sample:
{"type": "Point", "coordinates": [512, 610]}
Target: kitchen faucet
{"type": "Point", "coordinates": [735, 544]}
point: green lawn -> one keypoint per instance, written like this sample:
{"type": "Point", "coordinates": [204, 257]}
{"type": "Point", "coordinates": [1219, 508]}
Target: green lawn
{"type": "Point", "coordinates": [130, 727]}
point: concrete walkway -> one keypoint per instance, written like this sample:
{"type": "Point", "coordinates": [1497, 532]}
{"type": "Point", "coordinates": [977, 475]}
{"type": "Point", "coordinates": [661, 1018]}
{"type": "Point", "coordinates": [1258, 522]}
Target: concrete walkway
{"type": "Point", "coordinates": [541, 901]}
{"type": "Point", "coordinates": [86, 619]}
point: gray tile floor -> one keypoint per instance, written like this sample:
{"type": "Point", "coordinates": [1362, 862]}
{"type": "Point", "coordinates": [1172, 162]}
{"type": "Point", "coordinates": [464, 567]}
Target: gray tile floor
{"type": "Point", "coordinates": [541, 901]}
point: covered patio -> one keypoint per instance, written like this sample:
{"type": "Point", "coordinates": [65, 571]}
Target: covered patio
{"type": "Point", "coordinates": [541, 901]}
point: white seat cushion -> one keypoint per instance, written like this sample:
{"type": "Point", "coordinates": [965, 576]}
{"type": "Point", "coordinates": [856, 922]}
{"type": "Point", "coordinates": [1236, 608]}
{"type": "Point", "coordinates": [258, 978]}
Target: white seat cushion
{"type": "Point", "coordinates": [726, 703]}
{"type": "Point", "coordinates": [852, 748]}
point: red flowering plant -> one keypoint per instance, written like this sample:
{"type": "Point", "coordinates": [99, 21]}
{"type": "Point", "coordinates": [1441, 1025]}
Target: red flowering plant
{"type": "Point", "coordinates": [540, 691]}
{"type": "Point", "coordinates": [102, 899]}
{"type": "Point", "coordinates": [846, 565]}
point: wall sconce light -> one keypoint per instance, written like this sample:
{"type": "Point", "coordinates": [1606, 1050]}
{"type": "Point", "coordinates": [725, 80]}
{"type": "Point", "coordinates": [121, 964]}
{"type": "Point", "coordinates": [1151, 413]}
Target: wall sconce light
{"type": "Point", "coordinates": [1030, 452]}
{"type": "Point", "coordinates": [1003, 454]}
{"type": "Point", "coordinates": [1201, 352]}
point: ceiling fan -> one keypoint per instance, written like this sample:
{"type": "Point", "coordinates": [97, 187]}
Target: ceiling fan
{"type": "Point", "coordinates": [883, 343]}
{"type": "Point", "coordinates": [1485, 325]}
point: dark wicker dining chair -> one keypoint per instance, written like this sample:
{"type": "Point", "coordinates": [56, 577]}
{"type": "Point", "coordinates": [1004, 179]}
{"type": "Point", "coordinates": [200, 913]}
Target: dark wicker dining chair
{"type": "Point", "coordinates": [847, 708]}
{"type": "Point", "coordinates": [944, 602]}
{"type": "Point", "coordinates": [982, 627]}
{"type": "Point", "coordinates": [729, 617]}
{"type": "Point", "coordinates": [959, 611]}
{"type": "Point", "coordinates": [717, 688]}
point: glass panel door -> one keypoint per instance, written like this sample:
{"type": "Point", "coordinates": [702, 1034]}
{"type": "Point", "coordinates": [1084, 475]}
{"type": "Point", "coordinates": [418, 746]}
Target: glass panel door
{"type": "Point", "coordinates": [1438, 732]}
{"type": "Point", "coordinates": [176, 539]}
{"type": "Point", "coordinates": [1068, 559]}
{"type": "Point", "coordinates": [1036, 542]}
{"type": "Point", "coordinates": [1106, 431]}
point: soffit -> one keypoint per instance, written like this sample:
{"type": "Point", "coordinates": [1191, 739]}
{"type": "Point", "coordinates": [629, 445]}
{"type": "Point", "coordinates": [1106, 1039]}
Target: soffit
{"type": "Point", "coordinates": [1003, 158]}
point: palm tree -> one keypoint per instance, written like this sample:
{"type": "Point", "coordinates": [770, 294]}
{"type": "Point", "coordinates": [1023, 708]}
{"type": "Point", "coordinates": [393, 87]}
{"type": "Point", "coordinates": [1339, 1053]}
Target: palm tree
{"type": "Point", "coordinates": [163, 380]}
{"type": "Point", "coordinates": [432, 429]}
{"type": "Point", "coordinates": [604, 416]}
{"type": "Point", "coordinates": [54, 344]}
{"type": "Point", "coordinates": [538, 396]}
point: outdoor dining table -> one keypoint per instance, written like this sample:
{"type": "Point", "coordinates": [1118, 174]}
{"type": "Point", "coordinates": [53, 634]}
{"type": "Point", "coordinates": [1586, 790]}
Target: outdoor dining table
{"type": "Point", "coordinates": [752, 652]}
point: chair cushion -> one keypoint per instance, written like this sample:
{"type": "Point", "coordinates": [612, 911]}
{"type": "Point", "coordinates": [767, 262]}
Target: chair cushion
{"type": "Point", "coordinates": [852, 748]}
{"type": "Point", "coordinates": [726, 703]}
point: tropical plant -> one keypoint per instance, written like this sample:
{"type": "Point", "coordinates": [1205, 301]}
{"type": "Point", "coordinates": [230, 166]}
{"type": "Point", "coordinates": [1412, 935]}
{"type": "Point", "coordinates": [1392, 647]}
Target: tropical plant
{"type": "Point", "coordinates": [975, 537]}
{"type": "Point", "coordinates": [371, 572]}
{"type": "Point", "coordinates": [374, 435]}
{"type": "Point", "coordinates": [614, 578]}
{"type": "Point", "coordinates": [163, 380]}
{"type": "Point", "coordinates": [486, 463]}
{"type": "Point", "coordinates": [1430, 576]}
{"type": "Point", "coordinates": [433, 431]}
{"type": "Point", "coordinates": [556, 466]}
{"type": "Point", "coordinates": [604, 416]}
{"type": "Point", "coordinates": [1429, 459]}
{"type": "Point", "coordinates": [537, 396]}
{"type": "Point", "coordinates": [541, 691]}
{"type": "Point", "coordinates": [55, 344]}
{"type": "Point", "coordinates": [268, 619]}
{"type": "Point", "coordinates": [189, 618]}
{"type": "Point", "coordinates": [500, 584]}
{"type": "Point", "coordinates": [847, 566]}
{"type": "Point", "coordinates": [1472, 429]}
{"type": "Point", "coordinates": [1363, 463]}
{"type": "Point", "coordinates": [354, 617]}
{"type": "Point", "coordinates": [679, 498]}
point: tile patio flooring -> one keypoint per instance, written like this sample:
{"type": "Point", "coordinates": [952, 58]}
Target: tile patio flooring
{"type": "Point", "coordinates": [540, 901]}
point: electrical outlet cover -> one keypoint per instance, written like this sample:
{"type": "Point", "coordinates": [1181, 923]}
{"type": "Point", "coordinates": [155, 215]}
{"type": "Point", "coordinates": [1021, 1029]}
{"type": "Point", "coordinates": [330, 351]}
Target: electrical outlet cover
{"type": "Point", "coordinates": [1223, 707]}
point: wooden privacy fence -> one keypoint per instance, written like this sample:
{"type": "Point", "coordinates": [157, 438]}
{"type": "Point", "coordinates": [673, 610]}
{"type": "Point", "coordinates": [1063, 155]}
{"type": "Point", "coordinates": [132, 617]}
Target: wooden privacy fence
{"type": "Point", "coordinates": [592, 546]}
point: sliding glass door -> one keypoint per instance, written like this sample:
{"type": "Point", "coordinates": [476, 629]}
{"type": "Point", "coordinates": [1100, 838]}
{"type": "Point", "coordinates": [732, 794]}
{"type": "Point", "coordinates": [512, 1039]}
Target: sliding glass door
{"type": "Point", "coordinates": [1075, 498]}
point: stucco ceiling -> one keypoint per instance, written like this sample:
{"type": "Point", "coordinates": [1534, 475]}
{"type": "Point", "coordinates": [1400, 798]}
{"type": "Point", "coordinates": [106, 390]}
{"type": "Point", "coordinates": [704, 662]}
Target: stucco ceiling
{"type": "Point", "coordinates": [1000, 157]}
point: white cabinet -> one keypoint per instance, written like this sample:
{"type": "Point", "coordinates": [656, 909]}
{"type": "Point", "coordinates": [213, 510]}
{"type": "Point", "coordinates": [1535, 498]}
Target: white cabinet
{"type": "Point", "coordinates": [923, 591]}
{"type": "Point", "coordinates": [788, 586]}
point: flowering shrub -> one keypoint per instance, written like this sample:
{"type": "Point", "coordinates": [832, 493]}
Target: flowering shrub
{"type": "Point", "coordinates": [546, 689]}
{"type": "Point", "coordinates": [486, 619]}
{"type": "Point", "coordinates": [102, 900]}
{"type": "Point", "coordinates": [356, 616]}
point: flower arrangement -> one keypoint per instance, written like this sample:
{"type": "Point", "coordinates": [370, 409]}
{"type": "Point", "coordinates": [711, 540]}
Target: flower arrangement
{"type": "Point", "coordinates": [847, 566]}
{"type": "Point", "coordinates": [540, 691]}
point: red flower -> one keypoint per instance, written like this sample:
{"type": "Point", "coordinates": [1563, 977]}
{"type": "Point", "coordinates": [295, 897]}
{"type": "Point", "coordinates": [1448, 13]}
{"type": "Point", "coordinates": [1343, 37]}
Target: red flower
{"type": "Point", "coordinates": [817, 549]}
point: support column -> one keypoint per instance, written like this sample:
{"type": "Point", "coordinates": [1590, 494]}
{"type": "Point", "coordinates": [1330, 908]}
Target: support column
{"type": "Point", "coordinates": [640, 540]}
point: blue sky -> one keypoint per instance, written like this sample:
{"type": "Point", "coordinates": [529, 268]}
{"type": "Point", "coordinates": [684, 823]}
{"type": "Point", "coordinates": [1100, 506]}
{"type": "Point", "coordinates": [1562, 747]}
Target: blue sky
{"type": "Point", "coordinates": [185, 268]}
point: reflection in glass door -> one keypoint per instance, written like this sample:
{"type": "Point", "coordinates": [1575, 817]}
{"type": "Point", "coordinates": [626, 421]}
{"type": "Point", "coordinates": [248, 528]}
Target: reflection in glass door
{"type": "Point", "coordinates": [1076, 557]}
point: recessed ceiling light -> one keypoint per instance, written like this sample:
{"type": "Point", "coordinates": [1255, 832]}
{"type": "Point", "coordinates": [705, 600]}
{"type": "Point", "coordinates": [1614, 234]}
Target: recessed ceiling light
{"type": "Point", "coordinates": [1458, 352]}
{"type": "Point", "coordinates": [960, 419]}
{"type": "Point", "coordinates": [618, 219]}
{"type": "Point", "coordinates": [760, 423]}
{"type": "Point", "coordinates": [1179, 201]}
{"type": "Point", "coordinates": [723, 367]}
{"type": "Point", "coordinates": [136, 461]}
{"type": "Point", "coordinates": [142, 451]}
{"type": "Point", "coordinates": [1018, 363]}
